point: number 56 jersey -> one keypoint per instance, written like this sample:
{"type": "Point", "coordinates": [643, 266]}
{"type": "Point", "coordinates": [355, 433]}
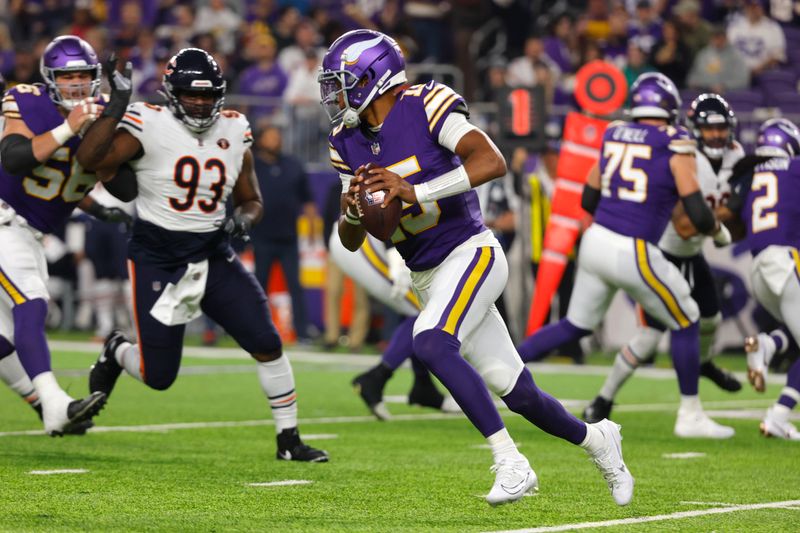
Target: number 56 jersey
{"type": "Point", "coordinates": [184, 179]}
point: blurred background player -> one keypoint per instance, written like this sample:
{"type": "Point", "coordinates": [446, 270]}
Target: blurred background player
{"type": "Point", "coordinates": [712, 124]}
{"type": "Point", "coordinates": [646, 166]}
{"type": "Point", "coordinates": [768, 200]}
{"type": "Point", "coordinates": [180, 258]}
{"type": "Point", "coordinates": [40, 185]}
{"type": "Point", "coordinates": [383, 274]}
{"type": "Point", "coordinates": [458, 269]}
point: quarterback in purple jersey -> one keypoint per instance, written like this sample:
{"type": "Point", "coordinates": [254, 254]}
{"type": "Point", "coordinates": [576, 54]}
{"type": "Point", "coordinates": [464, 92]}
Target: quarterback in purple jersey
{"type": "Point", "coordinates": [646, 167]}
{"type": "Point", "coordinates": [768, 198]}
{"type": "Point", "coordinates": [40, 185]}
{"type": "Point", "coordinates": [426, 153]}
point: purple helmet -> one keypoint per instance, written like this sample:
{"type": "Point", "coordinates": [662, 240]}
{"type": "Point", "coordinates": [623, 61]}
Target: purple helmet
{"type": "Point", "coordinates": [361, 65]}
{"type": "Point", "coordinates": [69, 54]}
{"type": "Point", "coordinates": [653, 95]}
{"type": "Point", "coordinates": [778, 137]}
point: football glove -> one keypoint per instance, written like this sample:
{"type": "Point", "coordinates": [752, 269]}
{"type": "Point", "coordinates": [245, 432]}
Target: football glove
{"type": "Point", "coordinates": [121, 88]}
{"type": "Point", "coordinates": [235, 225]}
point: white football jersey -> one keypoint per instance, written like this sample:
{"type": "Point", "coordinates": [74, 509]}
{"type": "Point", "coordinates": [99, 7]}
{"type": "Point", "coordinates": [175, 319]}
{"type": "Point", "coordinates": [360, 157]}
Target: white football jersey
{"type": "Point", "coordinates": [715, 189]}
{"type": "Point", "coordinates": [184, 179]}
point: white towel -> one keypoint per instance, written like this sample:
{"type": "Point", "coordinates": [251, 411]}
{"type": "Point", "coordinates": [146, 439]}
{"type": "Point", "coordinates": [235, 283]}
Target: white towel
{"type": "Point", "coordinates": [180, 302]}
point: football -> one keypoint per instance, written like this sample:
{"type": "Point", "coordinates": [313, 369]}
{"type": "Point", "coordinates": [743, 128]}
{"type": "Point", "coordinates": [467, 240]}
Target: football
{"type": "Point", "coordinates": [380, 223]}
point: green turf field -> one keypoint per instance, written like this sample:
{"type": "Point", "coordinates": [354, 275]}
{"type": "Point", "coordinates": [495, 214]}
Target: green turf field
{"type": "Point", "coordinates": [421, 472]}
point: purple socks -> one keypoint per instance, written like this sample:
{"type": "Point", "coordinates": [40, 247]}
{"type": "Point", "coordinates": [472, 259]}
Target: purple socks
{"type": "Point", "coordinates": [685, 351]}
{"type": "Point", "coordinates": [29, 321]}
{"type": "Point", "coordinates": [6, 348]}
{"type": "Point", "coordinates": [440, 353]}
{"type": "Point", "coordinates": [544, 411]}
{"type": "Point", "coordinates": [401, 345]}
{"type": "Point", "coordinates": [547, 339]}
{"type": "Point", "coordinates": [792, 382]}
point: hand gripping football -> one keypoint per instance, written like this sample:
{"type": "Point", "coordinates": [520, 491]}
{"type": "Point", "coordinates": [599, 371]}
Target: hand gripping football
{"type": "Point", "coordinates": [379, 222]}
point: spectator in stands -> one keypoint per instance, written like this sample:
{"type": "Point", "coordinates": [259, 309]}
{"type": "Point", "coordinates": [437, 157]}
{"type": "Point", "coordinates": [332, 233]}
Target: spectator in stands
{"type": "Point", "coordinates": [180, 31]}
{"type": "Point", "coordinates": [302, 95]}
{"type": "Point", "coordinates": [26, 67]}
{"type": "Point", "coordinates": [636, 63]}
{"type": "Point", "coordinates": [428, 20]}
{"type": "Point", "coordinates": [719, 67]}
{"type": "Point", "coordinates": [286, 195]}
{"type": "Point", "coordinates": [330, 28]}
{"type": "Point", "coordinates": [758, 38]}
{"type": "Point", "coordinates": [593, 24]}
{"type": "Point", "coordinates": [534, 67]}
{"type": "Point", "coordinates": [561, 44]}
{"type": "Point", "coordinates": [265, 79]}
{"type": "Point", "coordinates": [283, 29]}
{"type": "Point", "coordinates": [670, 56]}
{"type": "Point", "coordinates": [615, 45]}
{"type": "Point", "coordinates": [306, 40]}
{"type": "Point", "coordinates": [6, 50]}
{"type": "Point", "coordinates": [494, 82]}
{"type": "Point", "coordinates": [645, 28]}
{"type": "Point", "coordinates": [466, 20]}
{"type": "Point", "coordinates": [82, 19]}
{"type": "Point", "coordinates": [221, 21]}
{"type": "Point", "coordinates": [695, 31]}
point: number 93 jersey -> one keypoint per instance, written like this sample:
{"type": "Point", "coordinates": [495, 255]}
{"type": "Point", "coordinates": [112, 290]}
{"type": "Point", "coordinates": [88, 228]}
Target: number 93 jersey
{"type": "Point", "coordinates": [184, 179]}
{"type": "Point", "coordinates": [637, 186]}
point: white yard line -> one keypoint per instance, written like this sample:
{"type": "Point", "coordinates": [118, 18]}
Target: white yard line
{"type": "Point", "coordinates": [684, 455]}
{"type": "Point", "coordinates": [285, 483]}
{"type": "Point", "coordinates": [56, 472]}
{"type": "Point", "coordinates": [788, 504]}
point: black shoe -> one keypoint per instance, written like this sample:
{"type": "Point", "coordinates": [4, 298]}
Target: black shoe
{"type": "Point", "coordinates": [424, 393]}
{"type": "Point", "coordinates": [369, 386]}
{"type": "Point", "coordinates": [596, 411]}
{"type": "Point", "coordinates": [291, 448]}
{"type": "Point", "coordinates": [723, 379]}
{"type": "Point", "coordinates": [104, 373]}
{"type": "Point", "coordinates": [74, 429]}
{"type": "Point", "coordinates": [79, 412]}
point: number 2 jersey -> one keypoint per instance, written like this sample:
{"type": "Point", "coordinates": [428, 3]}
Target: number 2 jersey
{"type": "Point", "coordinates": [48, 194]}
{"type": "Point", "coordinates": [408, 145]}
{"type": "Point", "coordinates": [638, 191]}
{"type": "Point", "coordinates": [183, 181]}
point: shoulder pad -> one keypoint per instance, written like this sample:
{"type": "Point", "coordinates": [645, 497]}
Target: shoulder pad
{"type": "Point", "coordinates": [437, 99]}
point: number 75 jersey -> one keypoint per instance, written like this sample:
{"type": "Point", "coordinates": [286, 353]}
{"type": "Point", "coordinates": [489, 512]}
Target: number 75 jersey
{"type": "Point", "coordinates": [637, 186]}
{"type": "Point", "coordinates": [184, 179]}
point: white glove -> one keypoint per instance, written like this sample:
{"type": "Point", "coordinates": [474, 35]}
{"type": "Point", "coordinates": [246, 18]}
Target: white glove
{"type": "Point", "coordinates": [722, 237]}
{"type": "Point", "coordinates": [399, 274]}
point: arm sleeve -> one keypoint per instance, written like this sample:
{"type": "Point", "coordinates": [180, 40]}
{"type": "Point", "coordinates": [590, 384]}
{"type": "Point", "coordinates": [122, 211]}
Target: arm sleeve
{"type": "Point", "coordinates": [16, 155]}
{"type": "Point", "coordinates": [699, 213]}
{"type": "Point", "coordinates": [454, 128]}
{"type": "Point", "coordinates": [590, 198]}
{"type": "Point", "coordinates": [123, 185]}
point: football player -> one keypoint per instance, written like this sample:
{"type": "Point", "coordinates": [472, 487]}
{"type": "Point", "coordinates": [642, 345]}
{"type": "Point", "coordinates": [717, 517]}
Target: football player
{"type": "Point", "coordinates": [712, 124]}
{"type": "Point", "coordinates": [40, 184]}
{"type": "Point", "coordinates": [382, 273]}
{"type": "Point", "coordinates": [646, 167]}
{"type": "Point", "coordinates": [458, 270]}
{"type": "Point", "coordinates": [768, 200]}
{"type": "Point", "coordinates": [188, 158]}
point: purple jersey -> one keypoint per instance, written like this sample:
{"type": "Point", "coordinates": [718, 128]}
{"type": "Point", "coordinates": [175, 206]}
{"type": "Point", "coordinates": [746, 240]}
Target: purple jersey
{"type": "Point", "coordinates": [638, 188]}
{"type": "Point", "coordinates": [772, 208]}
{"type": "Point", "coordinates": [48, 194]}
{"type": "Point", "coordinates": [407, 144]}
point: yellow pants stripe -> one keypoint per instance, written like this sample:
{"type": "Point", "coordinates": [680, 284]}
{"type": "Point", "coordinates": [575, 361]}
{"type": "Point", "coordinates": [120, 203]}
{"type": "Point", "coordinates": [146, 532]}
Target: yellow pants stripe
{"type": "Point", "coordinates": [659, 288]}
{"type": "Point", "coordinates": [466, 294]}
{"type": "Point", "coordinates": [16, 296]}
{"type": "Point", "coordinates": [381, 266]}
{"type": "Point", "coordinates": [796, 257]}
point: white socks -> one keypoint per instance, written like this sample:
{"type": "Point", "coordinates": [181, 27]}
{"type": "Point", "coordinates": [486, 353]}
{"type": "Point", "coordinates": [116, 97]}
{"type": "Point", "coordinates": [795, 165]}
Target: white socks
{"type": "Point", "coordinates": [47, 387]}
{"type": "Point", "coordinates": [690, 404]}
{"type": "Point", "coordinates": [277, 382]}
{"type": "Point", "coordinates": [13, 375]}
{"type": "Point", "coordinates": [503, 446]}
{"type": "Point", "coordinates": [594, 440]}
{"type": "Point", "coordinates": [128, 357]}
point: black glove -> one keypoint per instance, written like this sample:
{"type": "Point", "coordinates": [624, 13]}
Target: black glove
{"type": "Point", "coordinates": [114, 215]}
{"type": "Point", "coordinates": [236, 225]}
{"type": "Point", "coordinates": [121, 88]}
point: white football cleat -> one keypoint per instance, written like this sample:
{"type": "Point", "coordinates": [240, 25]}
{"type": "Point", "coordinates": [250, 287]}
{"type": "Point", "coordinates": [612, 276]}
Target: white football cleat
{"type": "Point", "coordinates": [697, 425]}
{"type": "Point", "coordinates": [513, 480]}
{"type": "Point", "coordinates": [61, 414]}
{"type": "Point", "coordinates": [760, 350]}
{"type": "Point", "coordinates": [778, 425]}
{"type": "Point", "coordinates": [609, 462]}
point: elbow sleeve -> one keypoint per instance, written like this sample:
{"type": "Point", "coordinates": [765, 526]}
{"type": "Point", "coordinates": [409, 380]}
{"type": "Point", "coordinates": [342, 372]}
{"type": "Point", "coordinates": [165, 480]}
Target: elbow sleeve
{"type": "Point", "coordinates": [123, 185]}
{"type": "Point", "coordinates": [590, 198]}
{"type": "Point", "coordinates": [16, 155]}
{"type": "Point", "coordinates": [699, 213]}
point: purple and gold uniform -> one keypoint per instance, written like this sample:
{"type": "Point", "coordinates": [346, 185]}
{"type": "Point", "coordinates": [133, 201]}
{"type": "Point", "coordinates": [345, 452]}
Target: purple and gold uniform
{"type": "Point", "coordinates": [428, 232]}
{"type": "Point", "coordinates": [638, 190]}
{"type": "Point", "coordinates": [771, 212]}
{"type": "Point", "coordinates": [46, 197]}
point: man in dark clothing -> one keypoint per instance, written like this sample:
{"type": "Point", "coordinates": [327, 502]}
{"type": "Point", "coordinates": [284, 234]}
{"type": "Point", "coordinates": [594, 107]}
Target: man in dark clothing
{"type": "Point", "coordinates": [286, 193]}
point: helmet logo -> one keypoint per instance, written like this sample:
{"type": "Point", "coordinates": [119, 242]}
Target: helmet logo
{"type": "Point", "coordinates": [353, 52]}
{"type": "Point", "coordinates": [202, 83]}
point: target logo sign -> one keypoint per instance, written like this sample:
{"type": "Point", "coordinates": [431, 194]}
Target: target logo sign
{"type": "Point", "coordinates": [600, 88]}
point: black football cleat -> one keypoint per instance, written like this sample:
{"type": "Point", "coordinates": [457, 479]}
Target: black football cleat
{"type": "Point", "coordinates": [105, 372]}
{"type": "Point", "coordinates": [79, 428]}
{"type": "Point", "coordinates": [369, 386]}
{"type": "Point", "coordinates": [723, 379]}
{"type": "Point", "coordinates": [291, 448]}
{"type": "Point", "coordinates": [596, 411]}
{"type": "Point", "coordinates": [425, 394]}
{"type": "Point", "coordinates": [79, 412]}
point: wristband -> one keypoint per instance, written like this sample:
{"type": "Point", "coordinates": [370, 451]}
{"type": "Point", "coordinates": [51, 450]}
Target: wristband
{"type": "Point", "coordinates": [350, 219]}
{"type": "Point", "coordinates": [62, 133]}
{"type": "Point", "coordinates": [448, 184]}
